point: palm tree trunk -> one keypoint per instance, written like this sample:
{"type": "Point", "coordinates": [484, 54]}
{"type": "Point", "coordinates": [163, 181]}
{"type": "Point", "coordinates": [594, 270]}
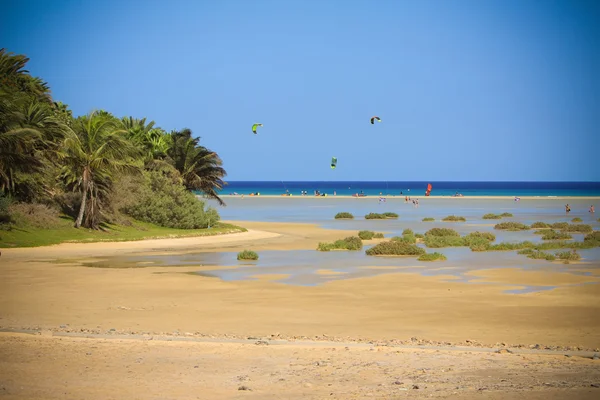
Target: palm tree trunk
{"type": "Point", "coordinates": [83, 201]}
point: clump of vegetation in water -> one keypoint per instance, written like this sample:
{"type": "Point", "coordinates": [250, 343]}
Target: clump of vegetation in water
{"type": "Point", "coordinates": [441, 232]}
{"type": "Point", "coordinates": [247, 255]}
{"type": "Point", "coordinates": [511, 226]}
{"type": "Point", "coordinates": [577, 228]}
{"type": "Point", "coordinates": [506, 215]}
{"type": "Point", "coordinates": [497, 216]}
{"type": "Point", "coordinates": [592, 237]}
{"type": "Point", "coordinates": [540, 225]}
{"type": "Point", "coordinates": [454, 218]}
{"type": "Point", "coordinates": [478, 239]}
{"type": "Point", "coordinates": [428, 219]}
{"type": "Point", "coordinates": [344, 215]}
{"type": "Point", "coordinates": [567, 256]}
{"type": "Point", "coordinates": [368, 235]}
{"type": "Point", "coordinates": [551, 234]}
{"type": "Point", "coordinates": [395, 248]}
{"type": "Point", "coordinates": [419, 236]}
{"type": "Point", "coordinates": [538, 254]}
{"type": "Point", "coordinates": [432, 257]}
{"type": "Point", "coordinates": [349, 243]}
{"type": "Point", "coordinates": [386, 215]}
{"type": "Point", "coordinates": [559, 225]}
{"type": "Point", "coordinates": [576, 219]}
{"type": "Point", "coordinates": [444, 241]}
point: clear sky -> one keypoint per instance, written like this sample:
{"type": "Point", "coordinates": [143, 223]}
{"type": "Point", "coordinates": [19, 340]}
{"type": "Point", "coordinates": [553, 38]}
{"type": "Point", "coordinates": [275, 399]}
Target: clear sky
{"type": "Point", "coordinates": [466, 89]}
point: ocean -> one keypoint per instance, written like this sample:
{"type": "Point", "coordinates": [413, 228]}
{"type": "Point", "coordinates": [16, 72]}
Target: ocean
{"type": "Point", "coordinates": [416, 189]}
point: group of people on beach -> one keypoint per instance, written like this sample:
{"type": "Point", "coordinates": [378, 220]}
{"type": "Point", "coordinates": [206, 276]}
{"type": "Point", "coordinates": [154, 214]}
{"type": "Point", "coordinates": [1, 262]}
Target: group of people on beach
{"type": "Point", "coordinates": [568, 209]}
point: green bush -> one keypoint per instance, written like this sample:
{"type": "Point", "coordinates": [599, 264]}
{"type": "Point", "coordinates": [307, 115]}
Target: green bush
{"type": "Point", "coordinates": [511, 226]}
{"type": "Point", "coordinates": [594, 236]}
{"type": "Point", "coordinates": [492, 216]}
{"type": "Point", "coordinates": [572, 255]}
{"type": "Point", "coordinates": [407, 231]}
{"type": "Point", "coordinates": [344, 215]}
{"type": "Point", "coordinates": [441, 232]}
{"type": "Point", "coordinates": [167, 203]}
{"type": "Point", "coordinates": [551, 234]}
{"type": "Point", "coordinates": [444, 241]}
{"type": "Point", "coordinates": [5, 218]}
{"type": "Point", "coordinates": [540, 225]}
{"type": "Point", "coordinates": [386, 215]}
{"type": "Point", "coordinates": [349, 243]}
{"type": "Point", "coordinates": [247, 255]}
{"type": "Point", "coordinates": [478, 239]}
{"type": "Point", "coordinates": [454, 218]}
{"type": "Point", "coordinates": [539, 255]}
{"type": "Point", "coordinates": [490, 237]}
{"type": "Point", "coordinates": [34, 215]}
{"type": "Point", "coordinates": [559, 225]}
{"type": "Point", "coordinates": [506, 215]}
{"type": "Point", "coordinates": [368, 235]}
{"type": "Point", "coordinates": [395, 248]}
{"type": "Point", "coordinates": [432, 257]}
{"type": "Point", "coordinates": [419, 236]}
{"type": "Point", "coordinates": [428, 219]}
{"type": "Point", "coordinates": [405, 239]}
{"type": "Point", "coordinates": [577, 228]}
{"type": "Point", "coordinates": [576, 219]}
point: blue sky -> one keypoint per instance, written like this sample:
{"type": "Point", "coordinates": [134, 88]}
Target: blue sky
{"type": "Point", "coordinates": [466, 90]}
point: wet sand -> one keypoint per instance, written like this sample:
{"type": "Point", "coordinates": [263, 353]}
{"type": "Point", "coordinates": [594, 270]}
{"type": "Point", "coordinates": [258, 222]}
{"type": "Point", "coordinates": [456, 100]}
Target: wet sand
{"type": "Point", "coordinates": [394, 308]}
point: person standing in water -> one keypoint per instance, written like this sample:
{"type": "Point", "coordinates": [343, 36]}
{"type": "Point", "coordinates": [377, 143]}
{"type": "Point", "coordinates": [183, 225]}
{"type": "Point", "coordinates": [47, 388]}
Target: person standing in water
{"type": "Point", "coordinates": [567, 209]}
{"type": "Point", "coordinates": [592, 208]}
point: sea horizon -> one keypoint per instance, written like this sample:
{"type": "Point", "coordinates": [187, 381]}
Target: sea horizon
{"type": "Point", "coordinates": [415, 188]}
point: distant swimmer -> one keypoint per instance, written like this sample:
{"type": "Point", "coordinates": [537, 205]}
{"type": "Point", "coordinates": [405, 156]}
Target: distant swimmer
{"type": "Point", "coordinates": [517, 198]}
{"type": "Point", "coordinates": [567, 209]}
{"type": "Point", "coordinates": [592, 208]}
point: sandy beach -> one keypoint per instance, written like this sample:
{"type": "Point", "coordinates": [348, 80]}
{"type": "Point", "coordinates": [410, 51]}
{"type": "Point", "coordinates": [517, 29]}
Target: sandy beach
{"type": "Point", "coordinates": [47, 292]}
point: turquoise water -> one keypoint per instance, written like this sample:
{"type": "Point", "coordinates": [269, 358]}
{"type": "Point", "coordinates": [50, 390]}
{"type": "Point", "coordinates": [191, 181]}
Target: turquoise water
{"type": "Point", "coordinates": [374, 188]}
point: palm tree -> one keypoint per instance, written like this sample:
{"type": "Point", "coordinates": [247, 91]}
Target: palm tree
{"type": "Point", "coordinates": [200, 168]}
{"type": "Point", "coordinates": [154, 142]}
{"type": "Point", "coordinates": [92, 155]}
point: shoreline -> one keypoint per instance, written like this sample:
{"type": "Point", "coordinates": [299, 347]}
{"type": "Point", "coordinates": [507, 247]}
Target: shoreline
{"type": "Point", "coordinates": [420, 197]}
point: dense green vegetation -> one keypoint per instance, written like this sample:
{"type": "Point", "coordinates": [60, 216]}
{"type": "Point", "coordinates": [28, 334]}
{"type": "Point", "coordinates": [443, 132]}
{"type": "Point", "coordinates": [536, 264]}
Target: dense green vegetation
{"type": "Point", "coordinates": [385, 215]}
{"type": "Point", "coordinates": [395, 248]}
{"type": "Point", "coordinates": [540, 225]}
{"type": "Point", "coordinates": [344, 215]}
{"type": "Point", "coordinates": [551, 234]}
{"type": "Point", "coordinates": [247, 255]}
{"type": "Point", "coordinates": [96, 171]}
{"type": "Point", "coordinates": [428, 219]}
{"type": "Point", "coordinates": [497, 216]}
{"type": "Point", "coordinates": [454, 218]}
{"type": "Point", "coordinates": [349, 243]}
{"type": "Point", "coordinates": [432, 257]}
{"type": "Point", "coordinates": [368, 235]}
{"type": "Point", "coordinates": [511, 226]}
{"type": "Point", "coordinates": [576, 219]}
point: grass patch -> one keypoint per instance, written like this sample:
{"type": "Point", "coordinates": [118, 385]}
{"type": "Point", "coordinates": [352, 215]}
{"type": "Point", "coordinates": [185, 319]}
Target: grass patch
{"type": "Point", "coordinates": [559, 225]}
{"type": "Point", "coordinates": [395, 248]}
{"type": "Point", "coordinates": [441, 232]}
{"type": "Point", "coordinates": [511, 226]}
{"type": "Point", "coordinates": [419, 236]}
{"type": "Point", "coordinates": [247, 255]}
{"type": "Point", "coordinates": [444, 241]}
{"type": "Point", "coordinates": [344, 215]}
{"type": "Point", "coordinates": [454, 218]}
{"type": "Point", "coordinates": [432, 257]}
{"type": "Point", "coordinates": [540, 225]}
{"type": "Point", "coordinates": [551, 234]}
{"type": "Point", "coordinates": [577, 220]}
{"type": "Point", "coordinates": [428, 219]}
{"type": "Point", "coordinates": [368, 235]}
{"type": "Point", "coordinates": [497, 216]}
{"type": "Point", "coordinates": [506, 215]}
{"type": "Point", "coordinates": [577, 228]}
{"type": "Point", "coordinates": [385, 215]}
{"type": "Point", "coordinates": [538, 254]}
{"type": "Point", "coordinates": [349, 243]}
{"type": "Point", "coordinates": [62, 231]}
{"type": "Point", "coordinates": [567, 256]}
{"type": "Point", "coordinates": [594, 236]}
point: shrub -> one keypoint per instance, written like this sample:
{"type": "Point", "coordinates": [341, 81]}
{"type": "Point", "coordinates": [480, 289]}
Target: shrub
{"type": "Point", "coordinates": [432, 257]}
{"type": "Point", "coordinates": [349, 243]}
{"type": "Point", "coordinates": [572, 255]}
{"type": "Point", "coordinates": [166, 203]}
{"type": "Point", "coordinates": [428, 219]}
{"type": "Point", "coordinates": [441, 232]}
{"type": "Point", "coordinates": [5, 218]}
{"type": "Point", "coordinates": [506, 215]}
{"type": "Point", "coordinates": [576, 219]}
{"type": "Point", "coordinates": [407, 231]}
{"type": "Point", "coordinates": [592, 237]}
{"type": "Point", "coordinates": [492, 216]}
{"type": "Point", "coordinates": [344, 215]}
{"type": "Point", "coordinates": [478, 239]}
{"type": "Point", "coordinates": [454, 218]}
{"type": "Point", "coordinates": [390, 215]}
{"type": "Point", "coordinates": [540, 255]}
{"type": "Point", "coordinates": [368, 235]}
{"type": "Point", "coordinates": [511, 226]}
{"type": "Point", "coordinates": [490, 237]}
{"type": "Point", "coordinates": [510, 246]}
{"type": "Point", "coordinates": [419, 236]}
{"type": "Point", "coordinates": [405, 238]}
{"type": "Point", "coordinates": [559, 225]}
{"type": "Point", "coordinates": [444, 241]}
{"type": "Point", "coordinates": [538, 225]}
{"type": "Point", "coordinates": [395, 248]}
{"type": "Point", "coordinates": [386, 215]}
{"type": "Point", "coordinates": [35, 215]}
{"type": "Point", "coordinates": [578, 228]}
{"type": "Point", "coordinates": [551, 234]}
{"type": "Point", "coordinates": [247, 255]}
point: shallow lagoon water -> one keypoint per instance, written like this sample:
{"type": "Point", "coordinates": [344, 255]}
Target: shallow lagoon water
{"type": "Point", "coordinates": [311, 267]}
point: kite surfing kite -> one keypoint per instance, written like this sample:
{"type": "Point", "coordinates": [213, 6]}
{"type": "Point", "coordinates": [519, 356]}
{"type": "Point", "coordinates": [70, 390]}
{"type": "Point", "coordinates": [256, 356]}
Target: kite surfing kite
{"type": "Point", "coordinates": [375, 118]}
{"type": "Point", "coordinates": [333, 162]}
{"type": "Point", "coordinates": [255, 126]}
{"type": "Point", "coordinates": [428, 189]}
